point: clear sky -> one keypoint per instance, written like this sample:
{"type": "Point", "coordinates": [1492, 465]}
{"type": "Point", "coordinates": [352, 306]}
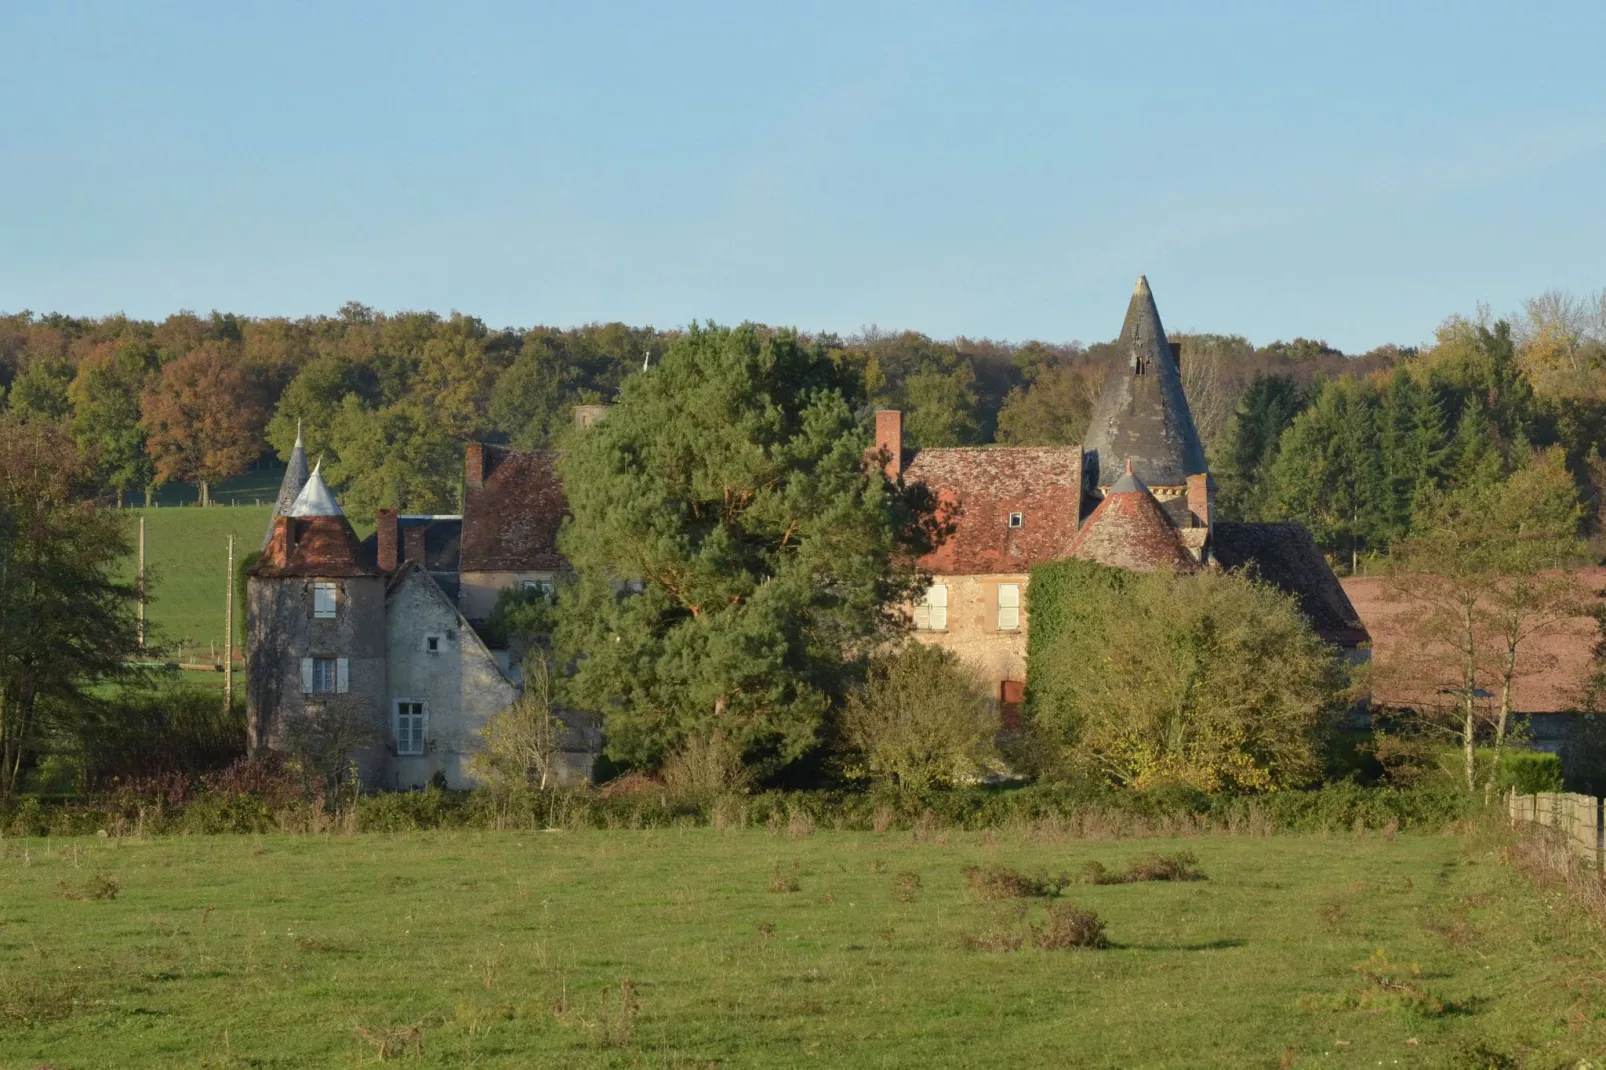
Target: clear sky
{"type": "Point", "coordinates": [1348, 171]}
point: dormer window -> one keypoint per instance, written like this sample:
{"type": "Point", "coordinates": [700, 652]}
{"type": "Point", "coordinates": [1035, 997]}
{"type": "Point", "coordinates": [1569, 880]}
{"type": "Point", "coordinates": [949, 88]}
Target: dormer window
{"type": "Point", "coordinates": [1017, 520]}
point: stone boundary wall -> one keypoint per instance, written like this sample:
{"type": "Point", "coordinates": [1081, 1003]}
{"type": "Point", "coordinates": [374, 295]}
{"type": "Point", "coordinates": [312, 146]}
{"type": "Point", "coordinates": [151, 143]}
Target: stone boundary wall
{"type": "Point", "coordinates": [1576, 819]}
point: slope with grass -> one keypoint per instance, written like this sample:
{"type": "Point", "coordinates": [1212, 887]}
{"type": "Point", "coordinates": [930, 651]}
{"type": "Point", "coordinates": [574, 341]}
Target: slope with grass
{"type": "Point", "coordinates": [684, 948]}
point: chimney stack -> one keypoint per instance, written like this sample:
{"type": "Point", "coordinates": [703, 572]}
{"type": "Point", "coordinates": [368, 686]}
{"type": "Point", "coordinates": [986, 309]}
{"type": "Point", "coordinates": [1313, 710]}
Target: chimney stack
{"type": "Point", "coordinates": [386, 536]}
{"type": "Point", "coordinates": [1201, 496]}
{"type": "Point", "coordinates": [284, 533]}
{"type": "Point", "coordinates": [413, 545]}
{"type": "Point", "coordinates": [474, 465]}
{"type": "Point", "coordinates": [889, 440]}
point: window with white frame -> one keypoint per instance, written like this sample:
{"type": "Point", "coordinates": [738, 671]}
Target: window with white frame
{"type": "Point", "coordinates": [409, 727]}
{"type": "Point", "coordinates": [931, 612]}
{"type": "Point", "coordinates": [1017, 520]}
{"type": "Point", "coordinates": [1008, 607]}
{"type": "Point", "coordinates": [324, 676]}
{"type": "Point", "coordinates": [324, 599]}
{"type": "Point", "coordinates": [545, 587]}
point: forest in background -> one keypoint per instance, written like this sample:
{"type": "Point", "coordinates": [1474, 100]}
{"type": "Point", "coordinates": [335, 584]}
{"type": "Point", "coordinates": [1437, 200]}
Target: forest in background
{"type": "Point", "coordinates": [1348, 444]}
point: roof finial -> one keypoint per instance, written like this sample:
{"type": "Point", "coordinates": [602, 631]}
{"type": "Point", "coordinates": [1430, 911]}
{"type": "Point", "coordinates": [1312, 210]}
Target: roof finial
{"type": "Point", "coordinates": [298, 434]}
{"type": "Point", "coordinates": [1143, 285]}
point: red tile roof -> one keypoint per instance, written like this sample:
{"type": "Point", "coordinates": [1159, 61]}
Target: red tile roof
{"type": "Point", "coordinates": [1551, 671]}
{"type": "Point", "coordinates": [512, 511]}
{"type": "Point", "coordinates": [1130, 530]}
{"type": "Point", "coordinates": [314, 546]}
{"type": "Point", "coordinates": [979, 487]}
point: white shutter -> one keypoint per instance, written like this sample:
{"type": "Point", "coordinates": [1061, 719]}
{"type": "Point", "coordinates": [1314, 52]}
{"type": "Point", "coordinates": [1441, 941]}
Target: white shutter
{"type": "Point", "coordinates": [937, 601]}
{"type": "Point", "coordinates": [306, 676]}
{"type": "Point", "coordinates": [342, 677]}
{"type": "Point", "coordinates": [1008, 607]}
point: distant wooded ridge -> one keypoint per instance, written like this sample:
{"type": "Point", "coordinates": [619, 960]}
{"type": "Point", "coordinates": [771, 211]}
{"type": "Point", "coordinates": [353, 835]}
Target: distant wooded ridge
{"type": "Point", "coordinates": [387, 399]}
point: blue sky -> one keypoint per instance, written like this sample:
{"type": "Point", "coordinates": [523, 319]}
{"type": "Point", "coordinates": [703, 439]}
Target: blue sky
{"type": "Point", "coordinates": [1349, 171]}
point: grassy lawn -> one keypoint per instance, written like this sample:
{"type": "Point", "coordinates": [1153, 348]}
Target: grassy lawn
{"type": "Point", "coordinates": [511, 949]}
{"type": "Point", "coordinates": [186, 552]}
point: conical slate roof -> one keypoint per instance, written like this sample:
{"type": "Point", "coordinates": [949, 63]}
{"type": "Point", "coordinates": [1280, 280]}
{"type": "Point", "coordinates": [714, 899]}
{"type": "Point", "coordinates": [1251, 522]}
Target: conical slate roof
{"type": "Point", "coordinates": [295, 477]}
{"type": "Point", "coordinates": [1142, 415]}
{"type": "Point", "coordinates": [315, 498]}
{"type": "Point", "coordinates": [1130, 530]}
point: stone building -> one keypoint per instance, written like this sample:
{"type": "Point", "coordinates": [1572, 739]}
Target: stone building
{"type": "Point", "coordinates": [390, 627]}
{"type": "Point", "coordinates": [1137, 494]}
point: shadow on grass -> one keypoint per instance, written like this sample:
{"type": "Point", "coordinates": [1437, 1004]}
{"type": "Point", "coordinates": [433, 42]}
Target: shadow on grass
{"type": "Point", "coordinates": [1208, 945]}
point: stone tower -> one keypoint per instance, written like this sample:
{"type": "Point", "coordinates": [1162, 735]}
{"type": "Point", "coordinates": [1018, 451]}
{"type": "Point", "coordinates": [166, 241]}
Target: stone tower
{"type": "Point", "coordinates": [315, 624]}
{"type": "Point", "coordinates": [1142, 421]}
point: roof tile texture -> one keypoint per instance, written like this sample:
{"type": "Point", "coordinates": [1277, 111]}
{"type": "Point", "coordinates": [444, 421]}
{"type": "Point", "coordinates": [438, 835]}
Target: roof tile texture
{"type": "Point", "coordinates": [1130, 530]}
{"type": "Point", "coordinates": [1284, 555]}
{"type": "Point", "coordinates": [322, 546]}
{"type": "Point", "coordinates": [979, 487]}
{"type": "Point", "coordinates": [511, 519]}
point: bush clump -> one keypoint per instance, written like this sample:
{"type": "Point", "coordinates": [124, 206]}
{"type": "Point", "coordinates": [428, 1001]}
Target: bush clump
{"type": "Point", "coordinates": [1001, 882]}
{"type": "Point", "coordinates": [1069, 926]}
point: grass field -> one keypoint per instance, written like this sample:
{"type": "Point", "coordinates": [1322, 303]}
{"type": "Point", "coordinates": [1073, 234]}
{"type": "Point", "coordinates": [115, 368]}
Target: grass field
{"type": "Point", "coordinates": [691, 948]}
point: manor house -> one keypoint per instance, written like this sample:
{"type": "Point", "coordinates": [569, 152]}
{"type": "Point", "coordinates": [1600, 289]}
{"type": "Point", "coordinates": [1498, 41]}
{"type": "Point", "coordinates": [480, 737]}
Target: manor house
{"type": "Point", "coordinates": [393, 627]}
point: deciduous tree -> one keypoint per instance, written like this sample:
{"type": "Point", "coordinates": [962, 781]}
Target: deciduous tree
{"type": "Point", "coordinates": [203, 420]}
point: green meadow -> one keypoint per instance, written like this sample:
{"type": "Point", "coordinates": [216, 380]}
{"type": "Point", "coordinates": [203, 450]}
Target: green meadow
{"type": "Point", "coordinates": [699, 947]}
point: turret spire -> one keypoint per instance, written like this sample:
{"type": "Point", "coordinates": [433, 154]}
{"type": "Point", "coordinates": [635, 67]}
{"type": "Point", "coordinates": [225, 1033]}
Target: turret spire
{"type": "Point", "coordinates": [1142, 414]}
{"type": "Point", "coordinates": [295, 477]}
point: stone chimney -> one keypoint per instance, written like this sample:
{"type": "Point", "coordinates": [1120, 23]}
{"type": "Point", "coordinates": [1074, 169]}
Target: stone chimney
{"type": "Point", "coordinates": [413, 545]}
{"type": "Point", "coordinates": [474, 465]}
{"type": "Point", "coordinates": [889, 440]}
{"type": "Point", "coordinates": [1201, 496]}
{"type": "Point", "coordinates": [586, 415]}
{"type": "Point", "coordinates": [386, 535]}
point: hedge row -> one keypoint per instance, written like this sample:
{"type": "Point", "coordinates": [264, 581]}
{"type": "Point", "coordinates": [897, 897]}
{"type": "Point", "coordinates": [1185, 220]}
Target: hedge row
{"type": "Point", "coordinates": [1088, 811]}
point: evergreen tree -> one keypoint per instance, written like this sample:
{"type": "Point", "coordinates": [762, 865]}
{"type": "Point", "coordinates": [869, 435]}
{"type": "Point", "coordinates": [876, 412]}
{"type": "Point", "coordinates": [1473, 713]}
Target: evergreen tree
{"type": "Point", "coordinates": [728, 487]}
{"type": "Point", "coordinates": [1328, 472]}
{"type": "Point", "coordinates": [1264, 412]}
{"type": "Point", "coordinates": [1474, 455]}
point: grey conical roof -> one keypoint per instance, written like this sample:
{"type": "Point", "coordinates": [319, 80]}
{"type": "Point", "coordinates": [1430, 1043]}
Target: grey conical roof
{"type": "Point", "coordinates": [315, 498]}
{"type": "Point", "coordinates": [295, 477]}
{"type": "Point", "coordinates": [1142, 415]}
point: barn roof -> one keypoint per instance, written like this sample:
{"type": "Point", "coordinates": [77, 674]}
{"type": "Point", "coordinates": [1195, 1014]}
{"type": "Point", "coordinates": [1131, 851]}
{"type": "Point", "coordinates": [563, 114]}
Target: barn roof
{"type": "Point", "coordinates": [979, 488]}
{"type": "Point", "coordinates": [1142, 414]}
{"type": "Point", "coordinates": [513, 505]}
{"type": "Point", "coordinates": [1284, 555]}
{"type": "Point", "coordinates": [1130, 530]}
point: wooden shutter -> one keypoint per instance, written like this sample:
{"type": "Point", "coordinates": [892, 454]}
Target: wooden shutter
{"type": "Point", "coordinates": [1011, 693]}
{"type": "Point", "coordinates": [937, 599]}
{"type": "Point", "coordinates": [342, 676]}
{"type": "Point", "coordinates": [1008, 607]}
{"type": "Point", "coordinates": [306, 676]}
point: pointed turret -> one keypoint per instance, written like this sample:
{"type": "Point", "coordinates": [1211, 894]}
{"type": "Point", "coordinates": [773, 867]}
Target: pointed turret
{"type": "Point", "coordinates": [315, 498]}
{"type": "Point", "coordinates": [1142, 414]}
{"type": "Point", "coordinates": [295, 477]}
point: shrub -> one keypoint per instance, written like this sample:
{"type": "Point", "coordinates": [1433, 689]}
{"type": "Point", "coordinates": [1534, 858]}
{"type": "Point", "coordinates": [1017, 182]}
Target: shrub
{"type": "Point", "coordinates": [523, 743]}
{"type": "Point", "coordinates": [906, 887]}
{"type": "Point", "coordinates": [921, 719]}
{"type": "Point", "coordinates": [1068, 926]}
{"type": "Point", "coordinates": [1000, 882]}
{"type": "Point", "coordinates": [706, 766]}
{"type": "Point", "coordinates": [1182, 866]}
{"type": "Point", "coordinates": [1237, 691]}
{"type": "Point", "coordinates": [1528, 772]}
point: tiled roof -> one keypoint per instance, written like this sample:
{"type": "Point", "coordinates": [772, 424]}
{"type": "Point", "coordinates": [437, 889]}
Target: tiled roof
{"type": "Point", "coordinates": [315, 546]}
{"type": "Point", "coordinates": [1142, 413]}
{"type": "Point", "coordinates": [1130, 530]}
{"type": "Point", "coordinates": [512, 514]}
{"type": "Point", "coordinates": [979, 487]}
{"type": "Point", "coordinates": [1551, 668]}
{"type": "Point", "coordinates": [1285, 556]}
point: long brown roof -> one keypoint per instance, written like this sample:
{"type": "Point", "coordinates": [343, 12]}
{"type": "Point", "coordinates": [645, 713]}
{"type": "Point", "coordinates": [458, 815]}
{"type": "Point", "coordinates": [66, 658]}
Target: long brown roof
{"type": "Point", "coordinates": [1552, 667]}
{"type": "Point", "coordinates": [1284, 554]}
{"type": "Point", "coordinates": [979, 487]}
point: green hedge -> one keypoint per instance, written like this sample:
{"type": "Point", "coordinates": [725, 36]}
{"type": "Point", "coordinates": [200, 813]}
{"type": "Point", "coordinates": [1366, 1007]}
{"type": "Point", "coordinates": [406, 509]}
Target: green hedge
{"type": "Point", "coordinates": [1095, 811]}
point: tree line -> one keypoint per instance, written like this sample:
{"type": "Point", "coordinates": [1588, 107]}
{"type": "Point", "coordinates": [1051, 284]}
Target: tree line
{"type": "Point", "coordinates": [387, 399]}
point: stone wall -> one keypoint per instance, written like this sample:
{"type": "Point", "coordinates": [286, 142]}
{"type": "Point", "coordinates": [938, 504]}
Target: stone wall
{"type": "Point", "coordinates": [972, 631]}
{"type": "Point", "coordinates": [281, 630]}
{"type": "Point", "coordinates": [478, 591]}
{"type": "Point", "coordinates": [459, 683]}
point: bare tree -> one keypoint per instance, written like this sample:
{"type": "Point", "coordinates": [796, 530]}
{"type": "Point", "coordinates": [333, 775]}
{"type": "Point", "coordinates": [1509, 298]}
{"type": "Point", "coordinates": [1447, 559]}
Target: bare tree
{"type": "Point", "coordinates": [523, 743]}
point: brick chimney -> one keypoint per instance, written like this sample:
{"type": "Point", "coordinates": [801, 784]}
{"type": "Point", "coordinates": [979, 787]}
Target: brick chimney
{"type": "Point", "coordinates": [889, 440]}
{"type": "Point", "coordinates": [413, 545]}
{"type": "Point", "coordinates": [1201, 495]}
{"type": "Point", "coordinates": [474, 465]}
{"type": "Point", "coordinates": [387, 535]}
